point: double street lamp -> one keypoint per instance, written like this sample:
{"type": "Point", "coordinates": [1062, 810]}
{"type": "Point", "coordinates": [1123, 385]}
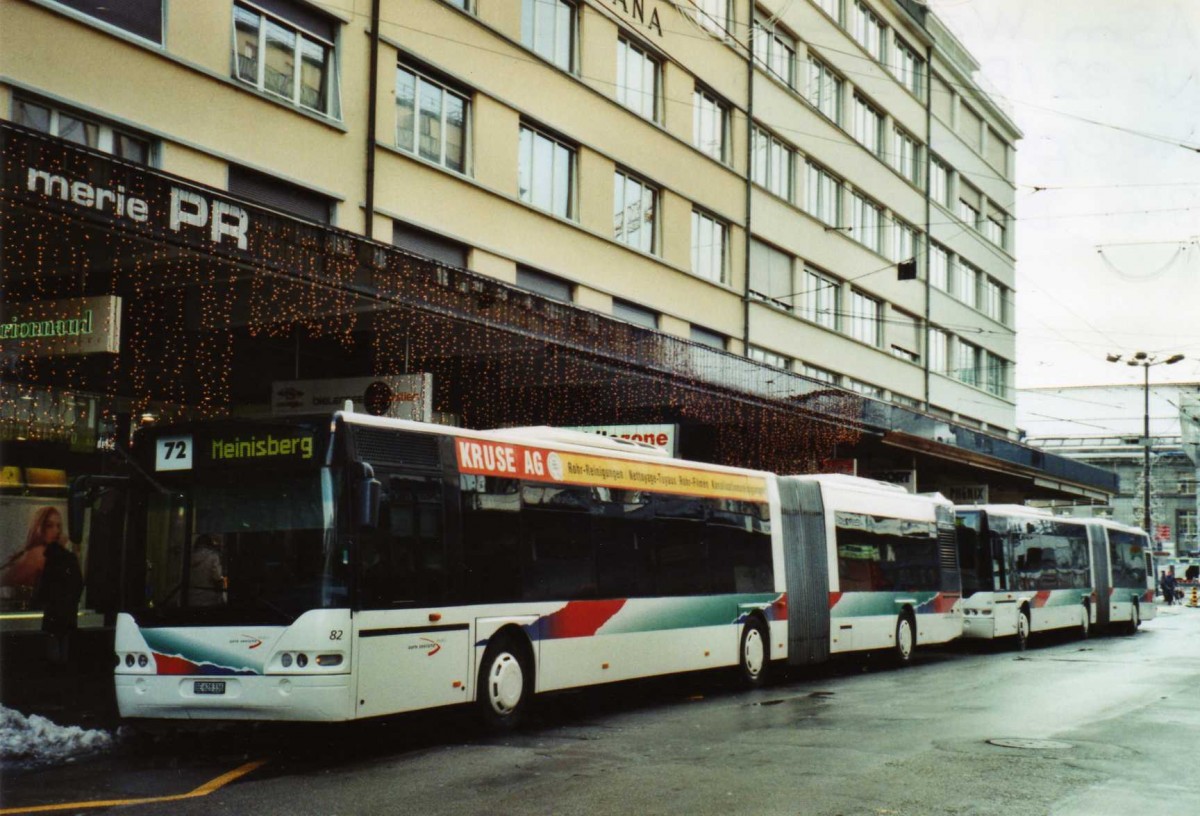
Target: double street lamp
{"type": "Point", "coordinates": [1146, 361]}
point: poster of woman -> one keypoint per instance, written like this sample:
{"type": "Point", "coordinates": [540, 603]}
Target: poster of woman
{"type": "Point", "coordinates": [28, 525]}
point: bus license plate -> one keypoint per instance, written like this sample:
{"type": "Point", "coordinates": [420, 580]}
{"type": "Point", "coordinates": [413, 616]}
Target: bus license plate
{"type": "Point", "coordinates": [209, 687]}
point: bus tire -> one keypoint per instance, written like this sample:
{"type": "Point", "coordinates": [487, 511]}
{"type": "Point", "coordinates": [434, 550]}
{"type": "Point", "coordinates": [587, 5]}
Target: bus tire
{"type": "Point", "coordinates": [1085, 623]}
{"type": "Point", "coordinates": [1024, 627]}
{"type": "Point", "coordinates": [505, 683]}
{"type": "Point", "coordinates": [754, 656]}
{"type": "Point", "coordinates": [1135, 620]}
{"type": "Point", "coordinates": [906, 639]}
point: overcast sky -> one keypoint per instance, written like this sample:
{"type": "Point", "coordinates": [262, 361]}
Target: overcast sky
{"type": "Point", "coordinates": [1132, 66]}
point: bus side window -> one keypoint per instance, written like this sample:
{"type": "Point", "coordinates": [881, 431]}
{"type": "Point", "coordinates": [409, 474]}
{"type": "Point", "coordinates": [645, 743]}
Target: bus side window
{"type": "Point", "coordinates": [556, 529]}
{"type": "Point", "coordinates": [621, 529]}
{"type": "Point", "coordinates": [404, 559]}
{"type": "Point", "coordinates": [491, 515]}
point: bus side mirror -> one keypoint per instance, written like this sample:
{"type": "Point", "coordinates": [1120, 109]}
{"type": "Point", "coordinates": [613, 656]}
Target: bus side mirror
{"type": "Point", "coordinates": [368, 497]}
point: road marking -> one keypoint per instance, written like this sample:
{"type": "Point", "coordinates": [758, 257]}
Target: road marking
{"type": "Point", "coordinates": [204, 790]}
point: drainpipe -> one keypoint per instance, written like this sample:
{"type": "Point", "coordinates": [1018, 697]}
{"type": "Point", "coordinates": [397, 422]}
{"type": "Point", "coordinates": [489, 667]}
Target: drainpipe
{"type": "Point", "coordinates": [928, 208]}
{"type": "Point", "coordinates": [749, 185]}
{"type": "Point", "coordinates": [373, 91]}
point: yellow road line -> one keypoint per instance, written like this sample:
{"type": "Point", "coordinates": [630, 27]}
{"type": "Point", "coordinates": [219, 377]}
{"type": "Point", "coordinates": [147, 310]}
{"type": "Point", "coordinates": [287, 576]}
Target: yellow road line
{"type": "Point", "coordinates": [204, 790]}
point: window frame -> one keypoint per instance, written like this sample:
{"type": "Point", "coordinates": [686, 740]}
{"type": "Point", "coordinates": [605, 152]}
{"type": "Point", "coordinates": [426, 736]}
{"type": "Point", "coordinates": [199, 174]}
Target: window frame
{"type": "Point", "coordinates": [906, 156]}
{"type": "Point", "coordinates": [865, 325]}
{"type": "Point", "coordinates": [570, 210]}
{"type": "Point", "coordinates": [655, 193]}
{"type": "Point", "coordinates": [774, 38]}
{"type": "Point", "coordinates": [107, 134]}
{"type": "Point", "coordinates": [866, 114]}
{"type": "Point", "coordinates": [529, 37]}
{"type": "Point", "coordinates": [818, 180]}
{"type": "Point", "coordinates": [821, 77]}
{"type": "Point", "coordinates": [862, 227]}
{"type": "Point", "coordinates": [718, 254]}
{"type": "Point", "coordinates": [704, 100]}
{"type": "Point", "coordinates": [421, 78]}
{"type": "Point", "coordinates": [774, 151]}
{"type": "Point", "coordinates": [908, 67]}
{"type": "Point", "coordinates": [628, 50]}
{"type": "Point", "coordinates": [332, 78]}
{"type": "Point", "coordinates": [817, 294]}
{"type": "Point", "coordinates": [869, 31]}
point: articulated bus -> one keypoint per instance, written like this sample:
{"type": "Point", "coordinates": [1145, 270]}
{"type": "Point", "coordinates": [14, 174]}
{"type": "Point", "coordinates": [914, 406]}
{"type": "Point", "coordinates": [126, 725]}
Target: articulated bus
{"type": "Point", "coordinates": [375, 566]}
{"type": "Point", "coordinates": [1025, 570]}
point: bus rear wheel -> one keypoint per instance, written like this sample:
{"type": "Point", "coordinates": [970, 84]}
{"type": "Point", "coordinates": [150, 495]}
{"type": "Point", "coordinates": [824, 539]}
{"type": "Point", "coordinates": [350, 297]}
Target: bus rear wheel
{"type": "Point", "coordinates": [505, 684]}
{"type": "Point", "coordinates": [1135, 620]}
{"type": "Point", "coordinates": [1023, 629]}
{"type": "Point", "coordinates": [906, 641]}
{"type": "Point", "coordinates": [754, 659]}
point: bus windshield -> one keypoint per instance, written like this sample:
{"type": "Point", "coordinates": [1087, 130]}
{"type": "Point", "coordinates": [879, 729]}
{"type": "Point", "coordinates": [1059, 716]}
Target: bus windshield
{"type": "Point", "coordinates": [252, 548]}
{"type": "Point", "coordinates": [973, 557]}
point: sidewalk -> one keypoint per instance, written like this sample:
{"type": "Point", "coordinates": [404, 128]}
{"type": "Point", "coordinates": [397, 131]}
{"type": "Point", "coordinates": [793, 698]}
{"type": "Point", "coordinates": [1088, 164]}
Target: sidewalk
{"type": "Point", "coordinates": [80, 693]}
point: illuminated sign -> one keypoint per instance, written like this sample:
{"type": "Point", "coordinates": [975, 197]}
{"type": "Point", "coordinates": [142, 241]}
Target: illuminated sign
{"type": "Point", "coordinates": [183, 452]}
{"type": "Point", "coordinates": [661, 436]}
{"type": "Point", "coordinates": [488, 458]}
{"type": "Point", "coordinates": [71, 327]}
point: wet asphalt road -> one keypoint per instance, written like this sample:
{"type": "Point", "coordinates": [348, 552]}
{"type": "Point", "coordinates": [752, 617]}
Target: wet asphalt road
{"type": "Point", "coordinates": [1110, 725]}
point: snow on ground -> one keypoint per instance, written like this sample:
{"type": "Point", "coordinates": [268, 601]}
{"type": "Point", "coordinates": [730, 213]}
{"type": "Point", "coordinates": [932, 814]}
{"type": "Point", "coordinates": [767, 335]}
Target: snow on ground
{"type": "Point", "coordinates": [35, 740]}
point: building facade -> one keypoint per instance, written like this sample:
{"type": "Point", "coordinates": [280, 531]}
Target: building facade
{"type": "Point", "coordinates": [784, 229]}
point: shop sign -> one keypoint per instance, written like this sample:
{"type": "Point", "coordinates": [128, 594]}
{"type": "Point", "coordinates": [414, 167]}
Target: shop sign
{"type": "Point", "coordinates": [661, 436]}
{"type": "Point", "coordinates": [905, 478]}
{"type": "Point", "coordinates": [966, 494]}
{"type": "Point", "coordinates": [399, 396]}
{"type": "Point", "coordinates": [71, 327]}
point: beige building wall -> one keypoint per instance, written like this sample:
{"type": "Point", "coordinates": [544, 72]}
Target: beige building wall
{"type": "Point", "coordinates": [183, 95]}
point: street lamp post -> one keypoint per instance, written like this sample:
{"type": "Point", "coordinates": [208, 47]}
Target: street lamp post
{"type": "Point", "coordinates": [1145, 360]}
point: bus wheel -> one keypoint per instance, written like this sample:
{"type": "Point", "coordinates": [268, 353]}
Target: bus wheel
{"type": "Point", "coordinates": [906, 640]}
{"type": "Point", "coordinates": [1023, 628]}
{"type": "Point", "coordinates": [1085, 623]}
{"type": "Point", "coordinates": [1135, 621]}
{"type": "Point", "coordinates": [505, 684]}
{"type": "Point", "coordinates": [755, 654]}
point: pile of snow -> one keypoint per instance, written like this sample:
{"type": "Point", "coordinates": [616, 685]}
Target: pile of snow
{"type": "Point", "coordinates": [36, 740]}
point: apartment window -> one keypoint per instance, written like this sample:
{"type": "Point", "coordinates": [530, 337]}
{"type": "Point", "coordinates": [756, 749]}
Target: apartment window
{"type": "Point", "coordinates": [289, 55]}
{"type": "Point", "coordinates": [546, 173]}
{"type": "Point", "coordinates": [996, 381]}
{"type": "Point", "coordinates": [708, 247]}
{"type": "Point", "coordinates": [548, 30]}
{"type": "Point", "coordinates": [431, 120]}
{"type": "Point", "coordinates": [824, 89]}
{"type": "Point", "coordinates": [638, 315]}
{"type": "Point", "coordinates": [866, 389]}
{"type": "Point", "coordinates": [966, 363]}
{"type": "Point", "coordinates": [992, 299]}
{"type": "Point", "coordinates": [819, 374]}
{"type": "Point", "coordinates": [1185, 528]}
{"type": "Point", "coordinates": [868, 30]}
{"type": "Point", "coordinates": [771, 274]}
{"type": "Point", "coordinates": [280, 195]}
{"type": "Point", "coordinates": [713, 15]}
{"type": "Point", "coordinates": [866, 314]}
{"type": "Point", "coordinates": [866, 222]}
{"type": "Point", "coordinates": [820, 298]}
{"type": "Point", "coordinates": [908, 67]}
{"type": "Point", "coordinates": [82, 130]}
{"type": "Point", "coordinates": [968, 210]}
{"type": "Point", "coordinates": [831, 7]}
{"type": "Point", "coordinates": [997, 151]}
{"type": "Point", "coordinates": [635, 211]}
{"type": "Point", "coordinates": [939, 182]}
{"type": "Point", "coordinates": [970, 127]}
{"type": "Point", "coordinates": [823, 195]}
{"type": "Point", "coordinates": [868, 125]}
{"type": "Point", "coordinates": [939, 268]}
{"type": "Point", "coordinates": [141, 17]}
{"type": "Point", "coordinates": [707, 337]}
{"type": "Point", "coordinates": [775, 49]}
{"type": "Point", "coordinates": [465, 5]}
{"type": "Point", "coordinates": [906, 241]}
{"type": "Point", "coordinates": [773, 162]}
{"type": "Point", "coordinates": [429, 244]}
{"type": "Point", "coordinates": [966, 283]}
{"type": "Point", "coordinates": [710, 125]}
{"type": "Point", "coordinates": [637, 79]}
{"type": "Point", "coordinates": [939, 342]}
{"type": "Point", "coordinates": [904, 335]}
{"type": "Point", "coordinates": [906, 156]}
{"type": "Point", "coordinates": [993, 229]}
{"type": "Point", "coordinates": [770, 358]}
{"type": "Point", "coordinates": [942, 100]}
{"type": "Point", "coordinates": [549, 286]}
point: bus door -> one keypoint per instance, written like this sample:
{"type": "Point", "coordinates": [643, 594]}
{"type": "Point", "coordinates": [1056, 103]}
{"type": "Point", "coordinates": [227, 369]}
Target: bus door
{"type": "Point", "coordinates": [1101, 574]}
{"type": "Point", "coordinates": [410, 655]}
{"type": "Point", "coordinates": [99, 522]}
{"type": "Point", "coordinates": [807, 570]}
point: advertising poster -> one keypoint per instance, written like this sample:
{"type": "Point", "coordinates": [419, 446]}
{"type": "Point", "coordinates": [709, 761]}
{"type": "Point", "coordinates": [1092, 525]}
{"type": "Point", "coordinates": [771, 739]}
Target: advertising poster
{"type": "Point", "coordinates": [27, 524]}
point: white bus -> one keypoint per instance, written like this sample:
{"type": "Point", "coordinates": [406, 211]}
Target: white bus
{"type": "Point", "coordinates": [375, 566]}
{"type": "Point", "coordinates": [1025, 570]}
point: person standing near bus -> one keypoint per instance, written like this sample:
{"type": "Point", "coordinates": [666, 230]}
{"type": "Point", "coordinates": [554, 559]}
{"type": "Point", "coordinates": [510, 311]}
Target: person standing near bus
{"type": "Point", "coordinates": [58, 591]}
{"type": "Point", "coordinates": [207, 582]}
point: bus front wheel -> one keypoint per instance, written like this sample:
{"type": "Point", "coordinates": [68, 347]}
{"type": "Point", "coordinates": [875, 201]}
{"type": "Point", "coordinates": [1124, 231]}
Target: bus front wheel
{"type": "Point", "coordinates": [906, 640]}
{"type": "Point", "coordinates": [505, 684]}
{"type": "Point", "coordinates": [755, 654]}
{"type": "Point", "coordinates": [1135, 620]}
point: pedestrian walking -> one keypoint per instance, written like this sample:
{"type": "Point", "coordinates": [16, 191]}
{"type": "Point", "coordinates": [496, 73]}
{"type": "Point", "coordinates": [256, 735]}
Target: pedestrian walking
{"type": "Point", "coordinates": [58, 592]}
